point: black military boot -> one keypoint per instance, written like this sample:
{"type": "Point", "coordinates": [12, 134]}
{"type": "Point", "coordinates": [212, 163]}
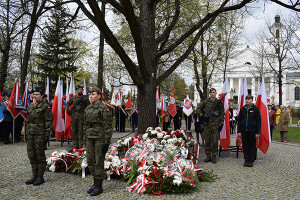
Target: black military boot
{"type": "Point", "coordinates": [39, 181]}
{"type": "Point", "coordinates": [89, 191]}
{"type": "Point", "coordinates": [98, 188]}
{"type": "Point", "coordinates": [214, 159]}
{"type": "Point", "coordinates": [31, 181]}
{"type": "Point", "coordinates": [208, 158]}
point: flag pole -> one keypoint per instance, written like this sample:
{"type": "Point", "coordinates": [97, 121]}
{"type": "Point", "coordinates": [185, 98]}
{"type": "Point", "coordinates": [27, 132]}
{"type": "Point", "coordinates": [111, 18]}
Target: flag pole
{"type": "Point", "coordinates": [131, 121]}
{"type": "Point", "coordinates": [13, 131]}
{"type": "Point", "coordinates": [119, 121]}
{"type": "Point", "coordinates": [24, 131]}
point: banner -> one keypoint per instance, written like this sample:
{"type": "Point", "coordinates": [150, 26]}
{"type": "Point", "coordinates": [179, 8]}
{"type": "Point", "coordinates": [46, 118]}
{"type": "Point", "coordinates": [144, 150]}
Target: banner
{"type": "Point", "coordinates": [119, 100]}
{"type": "Point", "coordinates": [57, 111]}
{"type": "Point", "coordinates": [113, 98]}
{"type": "Point", "coordinates": [225, 132]}
{"type": "Point", "coordinates": [11, 103]}
{"type": "Point", "coordinates": [1, 109]}
{"type": "Point", "coordinates": [261, 104]}
{"type": "Point", "coordinates": [187, 106]}
{"type": "Point", "coordinates": [163, 107]}
{"type": "Point", "coordinates": [172, 105]}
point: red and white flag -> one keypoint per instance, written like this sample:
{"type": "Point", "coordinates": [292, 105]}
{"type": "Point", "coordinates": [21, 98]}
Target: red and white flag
{"type": "Point", "coordinates": [158, 104]}
{"type": "Point", "coordinates": [261, 104]}
{"type": "Point", "coordinates": [163, 106]}
{"type": "Point", "coordinates": [69, 93]}
{"type": "Point", "coordinates": [187, 106]}
{"type": "Point", "coordinates": [225, 132]}
{"type": "Point", "coordinates": [57, 111]}
{"type": "Point", "coordinates": [172, 105]}
{"type": "Point", "coordinates": [242, 102]}
{"type": "Point", "coordinates": [103, 98]}
{"type": "Point", "coordinates": [12, 100]}
{"type": "Point", "coordinates": [119, 100]}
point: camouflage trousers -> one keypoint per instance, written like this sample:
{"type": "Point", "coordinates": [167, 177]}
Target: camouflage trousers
{"type": "Point", "coordinates": [36, 154]}
{"type": "Point", "coordinates": [95, 157]}
{"type": "Point", "coordinates": [211, 138]}
{"type": "Point", "coordinates": [77, 130]}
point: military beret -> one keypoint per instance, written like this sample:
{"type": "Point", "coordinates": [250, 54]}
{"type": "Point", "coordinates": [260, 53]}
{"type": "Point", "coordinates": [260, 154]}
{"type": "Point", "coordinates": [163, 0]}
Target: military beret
{"type": "Point", "coordinates": [78, 86]}
{"type": "Point", "coordinates": [38, 89]}
{"type": "Point", "coordinates": [7, 94]}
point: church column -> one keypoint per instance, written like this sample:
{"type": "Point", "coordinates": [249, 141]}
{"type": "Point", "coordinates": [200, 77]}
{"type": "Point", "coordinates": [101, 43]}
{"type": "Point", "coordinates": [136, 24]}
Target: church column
{"type": "Point", "coordinates": [253, 91]}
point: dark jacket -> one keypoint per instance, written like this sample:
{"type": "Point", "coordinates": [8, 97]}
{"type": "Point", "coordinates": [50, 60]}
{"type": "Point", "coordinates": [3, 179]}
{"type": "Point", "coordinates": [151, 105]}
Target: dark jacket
{"type": "Point", "coordinates": [249, 120]}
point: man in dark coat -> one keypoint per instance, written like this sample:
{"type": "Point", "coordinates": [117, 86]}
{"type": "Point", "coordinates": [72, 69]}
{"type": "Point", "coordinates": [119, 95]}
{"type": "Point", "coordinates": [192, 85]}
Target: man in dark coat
{"type": "Point", "coordinates": [178, 116]}
{"type": "Point", "coordinates": [249, 125]}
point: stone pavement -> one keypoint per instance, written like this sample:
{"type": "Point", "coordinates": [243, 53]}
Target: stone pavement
{"type": "Point", "coordinates": [275, 175]}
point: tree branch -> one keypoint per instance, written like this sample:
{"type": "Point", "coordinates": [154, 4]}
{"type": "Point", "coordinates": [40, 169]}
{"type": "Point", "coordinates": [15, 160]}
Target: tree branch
{"type": "Point", "coordinates": [165, 35]}
{"type": "Point", "coordinates": [198, 25]}
{"type": "Point", "coordinates": [117, 6]}
{"type": "Point", "coordinates": [99, 21]}
{"type": "Point", "coordinates": [293, 6]}
{"type": "Point", "coordinates": [186, 53]}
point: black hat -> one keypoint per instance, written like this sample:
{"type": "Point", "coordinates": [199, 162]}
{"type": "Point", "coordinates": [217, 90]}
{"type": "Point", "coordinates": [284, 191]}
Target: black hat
{"type": "Point", "coordinates": [78, 86]}
{"type": "Point", "coordinates": [38, 89]}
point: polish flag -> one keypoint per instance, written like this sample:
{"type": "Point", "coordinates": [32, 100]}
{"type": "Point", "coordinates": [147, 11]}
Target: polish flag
{"type": "Point", "coordinates": [69, 93]}
{"type": "Point", "coordinates": [242, 102]}
{"type": "Point", "coordinates": [103, 98]}
{"type": "Point", "coordinates": [261, 104]}
{"type": "Point", "coordinates": [158, 104]}
{"type": "Point", "coordinates": [172, 105]}
{"type": "Point", "coordinates": [11, 103]}
{"type": "Point", "coordinates": [119, 100]}
{"type": "Point", "coordinates": [164, 109]}
{"type": "Point", "coordinates": [57, 111]}
{"type": "Point", "coordinates": [225, 132]}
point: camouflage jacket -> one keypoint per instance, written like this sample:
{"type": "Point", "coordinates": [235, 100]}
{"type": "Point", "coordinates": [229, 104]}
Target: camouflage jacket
{"type": "Point", "coordinates": [79, 104]}
{"type": "Point", "coordinates": [40, 119]}
{"type": "Point", "coordinates": [98, 122]}
{"type": "Point", "coordinates": [206, 107]}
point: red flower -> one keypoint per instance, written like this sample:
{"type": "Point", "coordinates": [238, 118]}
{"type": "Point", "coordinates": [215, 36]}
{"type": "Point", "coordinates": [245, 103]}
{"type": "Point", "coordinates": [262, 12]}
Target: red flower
{"type": "Point", "coordinates": [200, 175]}
{"type": "Point", "coordinates": [125, 148]}
{"type": "Point", "coordinates": [75, 162]}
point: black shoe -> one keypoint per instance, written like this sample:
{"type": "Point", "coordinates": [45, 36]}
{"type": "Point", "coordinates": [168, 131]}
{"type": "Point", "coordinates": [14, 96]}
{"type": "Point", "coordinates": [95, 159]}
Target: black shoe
{"type": "Point", "coordinates": [98, 188]}
{"type": "Point", "coordinates": [89, 191]}
{"type": "Point", "coordinates": [207, 159]}
{"type": "Point", "coordinates": [214, 159]}
{"type": "Point", "coordinates": [39, 181]}
{"type": "Point", "coordinates": [31, 181]}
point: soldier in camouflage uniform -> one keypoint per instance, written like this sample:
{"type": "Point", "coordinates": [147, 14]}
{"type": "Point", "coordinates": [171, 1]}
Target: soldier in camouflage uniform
{"type": "Point", "coordinates": [98, 128]}
{"type": "Point", "coordinates": [212, 128]}
{"type": "Point", "coordinates": [39, 124]}
{"type": "Point", "coordinates": [79, 102]}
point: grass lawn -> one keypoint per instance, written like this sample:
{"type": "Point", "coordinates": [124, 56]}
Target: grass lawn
{"type": "Point", "coordinates": [293, 135]}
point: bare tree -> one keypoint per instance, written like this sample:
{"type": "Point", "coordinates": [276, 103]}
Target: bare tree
{"type": "Point", "coordinates": [152, 45]}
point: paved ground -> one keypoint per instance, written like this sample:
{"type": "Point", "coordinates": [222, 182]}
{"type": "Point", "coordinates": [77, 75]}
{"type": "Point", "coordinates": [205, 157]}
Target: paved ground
{"type": "Point", "coordinates": [275, 175]}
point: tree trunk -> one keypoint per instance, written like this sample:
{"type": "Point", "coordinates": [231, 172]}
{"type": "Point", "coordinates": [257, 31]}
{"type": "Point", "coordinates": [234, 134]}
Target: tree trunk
{"type": "Point", "coordinates": [4, 65]}
{"type": "Point", "coordinates": [280, 82]}
{"type": "Point", "coordinates": [146, 107]}
{"type": "Point", "coordinates": [101, 54]}
{"type": "Point", "coordinates": [204, 71]}
{"type": "Point", "coordinates": [26, 57]}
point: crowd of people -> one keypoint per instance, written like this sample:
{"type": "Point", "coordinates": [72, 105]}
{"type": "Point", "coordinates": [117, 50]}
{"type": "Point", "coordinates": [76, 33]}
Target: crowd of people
{"type": "Point", "coordinates": [91, 122]}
